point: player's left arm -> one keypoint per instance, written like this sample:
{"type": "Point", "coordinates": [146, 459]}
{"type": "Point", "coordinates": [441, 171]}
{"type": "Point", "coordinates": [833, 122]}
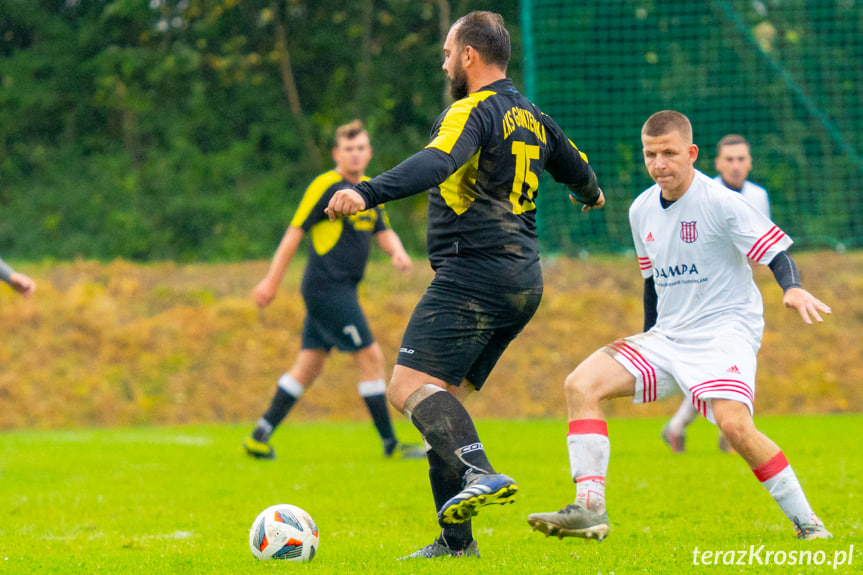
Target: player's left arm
{"type": "Point", "coordinates": [764, 242]}
{"type": "Point", "coordinates": [568, 165]}
{"type": "Point", "coordinates": [807, 305]}
{"type": "Point", "coordinates": [389, 241]}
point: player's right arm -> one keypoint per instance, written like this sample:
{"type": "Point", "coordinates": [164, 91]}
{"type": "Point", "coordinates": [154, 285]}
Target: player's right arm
{"type": "Point", "coordinates": [457, 135]}
{"type": "Point", "coordinates": [265, 291]}
{"type": "Point", "coordinates": [650, 297]}
{"type": "Point", "coordinates": [309, 212]}
{"type": "Point", "coordinates": [425, 169]}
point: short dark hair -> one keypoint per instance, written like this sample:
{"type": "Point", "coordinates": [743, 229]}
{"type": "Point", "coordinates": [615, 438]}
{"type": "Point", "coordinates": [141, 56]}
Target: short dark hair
{"type": "Point", "coordinates": [484, 32]}
{"type": "Point", "coordinates": [731, 140]}
{"type": "Point", "coordinates": [349, 131]}
{"type": "Point", "coordinates": [665, 122]}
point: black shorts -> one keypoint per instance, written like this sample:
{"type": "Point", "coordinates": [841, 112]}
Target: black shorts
{"type": "Point", "coordinates": [458, 332]}
{"type": "Point", "coordinates": [334, 319]}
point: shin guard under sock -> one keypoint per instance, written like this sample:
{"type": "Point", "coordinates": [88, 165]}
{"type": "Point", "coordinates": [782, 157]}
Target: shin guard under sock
{"type": "Point", "coordinates": [448, 429]}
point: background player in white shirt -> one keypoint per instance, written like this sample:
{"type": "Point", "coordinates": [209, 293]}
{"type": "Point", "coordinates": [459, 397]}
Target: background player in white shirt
{"type": "Point", "coordinates": [704, 315]}
{"type": "Point", "coordinates": [733, 162]}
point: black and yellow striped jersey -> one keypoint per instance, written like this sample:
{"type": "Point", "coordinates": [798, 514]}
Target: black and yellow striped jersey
{"type": "Point", "coordinates": [338, 250]}
{"type": "Point", "coordinates": [482, 169]}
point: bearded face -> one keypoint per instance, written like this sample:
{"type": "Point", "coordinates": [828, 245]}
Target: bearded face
{"type": "Point", "coordinates": [457, 80]}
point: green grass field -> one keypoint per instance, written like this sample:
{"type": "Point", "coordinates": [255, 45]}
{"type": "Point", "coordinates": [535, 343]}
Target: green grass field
{"type": "Point", "coordinates": [182, 499]}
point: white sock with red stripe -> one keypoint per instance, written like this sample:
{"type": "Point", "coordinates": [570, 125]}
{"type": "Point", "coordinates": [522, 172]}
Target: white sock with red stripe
{"type": "Point", "coordinates": [589, 452]}
{"type": "Point", "coordinates": [780, 481]}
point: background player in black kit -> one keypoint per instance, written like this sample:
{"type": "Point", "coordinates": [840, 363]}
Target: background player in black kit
{"type": "Point", "coordinates": [337, 259]}
{"type": "Point", "coordinates": [482, 167]}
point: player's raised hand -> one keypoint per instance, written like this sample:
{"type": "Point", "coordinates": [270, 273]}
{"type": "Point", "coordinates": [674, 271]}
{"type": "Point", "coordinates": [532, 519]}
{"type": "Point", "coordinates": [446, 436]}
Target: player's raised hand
{"type": "Point", "coordinates": [806, 304]}
{"type": "Point", "coordinates": [345, 202]}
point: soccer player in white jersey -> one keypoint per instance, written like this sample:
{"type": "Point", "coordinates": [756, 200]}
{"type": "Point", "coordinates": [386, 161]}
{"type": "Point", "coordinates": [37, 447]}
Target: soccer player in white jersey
{"type": "Point", "coordinates": [704, 318]}
{"type": "Point", "coordinates": [733, 162]}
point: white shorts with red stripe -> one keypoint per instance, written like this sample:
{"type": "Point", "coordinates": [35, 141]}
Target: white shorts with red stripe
{"type": "Point", "coordinates": [721, 366]}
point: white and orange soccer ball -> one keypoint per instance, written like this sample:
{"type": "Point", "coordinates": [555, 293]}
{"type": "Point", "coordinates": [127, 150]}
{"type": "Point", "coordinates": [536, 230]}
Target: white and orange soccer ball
{"type": "Point", "coordinates": [284, 532]}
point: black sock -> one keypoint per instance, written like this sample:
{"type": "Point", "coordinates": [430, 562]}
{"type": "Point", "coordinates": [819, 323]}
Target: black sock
{"type": "Point", "coordinates": [448, 428]}
{"type": "Point", "coordinates": [377, 405]}
{"type": "Point", "coordinates": [279, 407]}
{"type": "Point", "coordinates": [445, 484]}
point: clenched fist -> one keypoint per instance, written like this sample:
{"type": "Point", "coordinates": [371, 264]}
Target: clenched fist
{"type": "Point", "coordinates": [345, 202]}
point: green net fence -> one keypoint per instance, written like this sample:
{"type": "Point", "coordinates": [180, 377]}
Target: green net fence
{"type": "Point", "coordinates": [786, 75]}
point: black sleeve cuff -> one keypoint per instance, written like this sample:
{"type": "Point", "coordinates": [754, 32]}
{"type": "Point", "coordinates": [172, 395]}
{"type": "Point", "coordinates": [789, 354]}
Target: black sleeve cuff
{"type": "Point", "coordinates": [587, 194]}
{"type": "Point", "coordinates": [785, 271]}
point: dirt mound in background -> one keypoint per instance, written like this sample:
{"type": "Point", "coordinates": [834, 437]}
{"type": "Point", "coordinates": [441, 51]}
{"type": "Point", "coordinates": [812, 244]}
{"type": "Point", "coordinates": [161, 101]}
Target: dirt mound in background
{"type": "Point", "coordinates": [126, 344]}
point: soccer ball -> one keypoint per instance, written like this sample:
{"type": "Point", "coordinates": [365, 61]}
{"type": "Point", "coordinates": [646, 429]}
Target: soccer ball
{"type": "Point", "coordinates": [284, 532]}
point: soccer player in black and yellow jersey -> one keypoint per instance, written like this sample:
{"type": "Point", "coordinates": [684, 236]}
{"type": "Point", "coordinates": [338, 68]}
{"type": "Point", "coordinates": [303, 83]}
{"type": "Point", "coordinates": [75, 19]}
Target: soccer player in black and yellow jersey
{"type": "Point", "coordinates": [338, 253]}
{"type": "Point", "coordinates": [482, 170]}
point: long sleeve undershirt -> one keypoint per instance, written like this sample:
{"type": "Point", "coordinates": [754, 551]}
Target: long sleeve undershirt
{"type": "Point", "coordinates": [425, 169]}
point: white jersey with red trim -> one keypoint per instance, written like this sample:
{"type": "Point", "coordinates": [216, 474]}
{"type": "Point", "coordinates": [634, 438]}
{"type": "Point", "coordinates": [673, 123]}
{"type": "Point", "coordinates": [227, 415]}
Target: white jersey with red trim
{"type": "Point", "coordinates": [696, 250]}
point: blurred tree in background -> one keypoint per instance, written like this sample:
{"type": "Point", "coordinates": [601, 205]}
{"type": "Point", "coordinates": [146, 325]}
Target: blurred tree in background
{"type": "Point", "coordinates": [188, 129]}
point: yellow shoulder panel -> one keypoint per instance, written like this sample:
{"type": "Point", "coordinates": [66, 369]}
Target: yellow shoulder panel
{"type": "Point", "coordinates": [312, 195]}
{"type": "Point", "coordinates": [456, 117]}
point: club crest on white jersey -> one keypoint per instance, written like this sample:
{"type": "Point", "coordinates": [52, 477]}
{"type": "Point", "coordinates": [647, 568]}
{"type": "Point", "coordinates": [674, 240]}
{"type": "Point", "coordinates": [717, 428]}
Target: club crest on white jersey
{"type": "Point", "coordinates": [688, 233]}
{"type": "Point", "coordinates": [697, 250]}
